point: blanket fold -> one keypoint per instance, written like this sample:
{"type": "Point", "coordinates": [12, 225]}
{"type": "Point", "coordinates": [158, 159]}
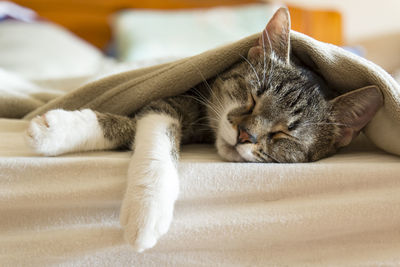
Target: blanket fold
{"type": "Point", "coordinates": [126, 92]}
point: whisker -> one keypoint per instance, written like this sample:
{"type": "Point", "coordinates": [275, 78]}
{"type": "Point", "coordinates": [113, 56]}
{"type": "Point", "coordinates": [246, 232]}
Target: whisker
{"type": "Point", "coordinates": [217, 108]}
{"type": "Point", "coordinates": [211, 118]}
{"type": "Point", "coordinates": [206, 103]}
{"type": "Point", "coordinates": [252, 67]}
{"type": "Point", "coordinates": [271, 63]}
{"type": "Point", "coordinates": [203, 126]}
{"type": "Point", "coordinates": [201, 74]}
{"type": "Point", "coordinates": [263, 154]}
{"type": "Point", "coordinates": [208, 86]}
{"type": "Point", "coordinates": [221, 106]}
{"type": "Point", "coordinates": [207, 127]}
{"type": "Point", "coordinates": [214, 120]}
{"type": "Point", "coordinates": [219, 100]}
{"type": "Point", "coordinates": [204, 118]}
{"type": "Point", "coordinates": [258, 158]}
{"type": "Point", "coordinates": [325, 123]}
{"type": "Point", "coordinates": [198, 120]}
{"type": "Point", "coordinates": [264, 56]}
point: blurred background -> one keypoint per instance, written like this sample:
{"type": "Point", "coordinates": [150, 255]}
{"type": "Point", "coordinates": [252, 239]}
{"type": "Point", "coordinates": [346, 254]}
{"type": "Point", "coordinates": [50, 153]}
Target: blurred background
{"type": "Point", "coordinates": [361, 19]}
{"type": "Point", "coordinates": [55, 35]}
{"type": "Point", "coordinates": [373, 26]}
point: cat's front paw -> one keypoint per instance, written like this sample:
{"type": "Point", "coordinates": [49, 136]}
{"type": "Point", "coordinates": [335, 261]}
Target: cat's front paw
{"type": "Point", "coordinates": [59, 131]}
{"type": "Point", "coordinates": [46, 133]}
{"type": "Point", "coordinates": [148, 205]}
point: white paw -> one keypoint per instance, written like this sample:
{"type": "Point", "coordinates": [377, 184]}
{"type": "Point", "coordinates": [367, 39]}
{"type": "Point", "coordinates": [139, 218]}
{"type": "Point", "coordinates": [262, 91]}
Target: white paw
{"type": "Point", "coordinates": [59, 131]}
{"type": "Point", "coordinates": [148, 205]}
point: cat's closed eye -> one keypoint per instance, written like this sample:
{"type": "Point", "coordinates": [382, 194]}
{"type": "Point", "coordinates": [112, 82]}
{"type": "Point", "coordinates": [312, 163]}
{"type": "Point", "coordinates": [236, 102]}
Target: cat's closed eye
{"type": "Point", "coordinates": [252, 103]}
{"type": "Point", "coordinates": [277, 135]}
{"type": "Point", "coordinates": [292, 126]}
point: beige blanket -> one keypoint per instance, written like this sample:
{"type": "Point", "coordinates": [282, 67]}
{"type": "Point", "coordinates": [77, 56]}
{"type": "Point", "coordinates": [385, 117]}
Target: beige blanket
{"type": "Point", "coordinates": [126, 92]}
{"type": "Point", "coordinates": [63, 211]}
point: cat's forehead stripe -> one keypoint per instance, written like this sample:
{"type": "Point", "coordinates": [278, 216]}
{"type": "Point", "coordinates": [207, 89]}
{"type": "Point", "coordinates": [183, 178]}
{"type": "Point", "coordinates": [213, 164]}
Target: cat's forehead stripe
{"type": "Point", "coordinates": [295, 101]}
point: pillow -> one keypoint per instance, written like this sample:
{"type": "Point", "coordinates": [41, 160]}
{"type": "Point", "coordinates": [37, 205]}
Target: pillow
{"type": "Point", "coordinates": [148, 34]}
{"type": "Point", "coordinates": [42, 51]}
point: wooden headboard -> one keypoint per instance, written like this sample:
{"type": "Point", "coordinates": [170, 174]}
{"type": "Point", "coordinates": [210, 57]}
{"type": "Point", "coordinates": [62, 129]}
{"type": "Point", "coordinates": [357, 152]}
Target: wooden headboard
{"type": "Point", "coordinates": [89, 19]}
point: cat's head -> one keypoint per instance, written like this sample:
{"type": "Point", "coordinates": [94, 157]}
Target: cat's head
{"type": "Point", "coordinates": [272, 110]}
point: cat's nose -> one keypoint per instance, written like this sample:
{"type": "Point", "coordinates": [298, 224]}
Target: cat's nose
{"type": "Point", "coordinates": [245, 137]}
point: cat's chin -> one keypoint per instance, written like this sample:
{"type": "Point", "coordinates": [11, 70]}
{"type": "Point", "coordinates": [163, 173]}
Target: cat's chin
{"type": "Point", "coordinates": [227, 151]}
{"type": "Point", "coordinates": [246, 152]}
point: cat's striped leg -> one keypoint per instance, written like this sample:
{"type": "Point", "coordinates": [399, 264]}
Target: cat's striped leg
{"type": "Point", "coordinates": [59, 131]}
{"type": "Point", "coordinates": [153, 186]}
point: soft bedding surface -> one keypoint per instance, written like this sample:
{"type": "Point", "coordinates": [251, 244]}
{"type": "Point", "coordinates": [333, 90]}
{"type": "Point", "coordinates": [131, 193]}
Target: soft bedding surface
{"type": "Point", "coordinates": [64, 210]}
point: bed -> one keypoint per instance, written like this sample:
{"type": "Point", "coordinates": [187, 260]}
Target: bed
{"type": "Point", "coordinates": [63, 211]}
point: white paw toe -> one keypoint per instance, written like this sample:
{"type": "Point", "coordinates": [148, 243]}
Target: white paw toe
{"type": "Point", "coordinates": [148, 205]}
{"type": "Point", "coordinates": [145, 222]}
{"type": "Point", "coordinates": [43, 134]}
{"type": "Point", "coordinates": [59, 131]}
{"type": "Point", "coordinates": [145, 236]}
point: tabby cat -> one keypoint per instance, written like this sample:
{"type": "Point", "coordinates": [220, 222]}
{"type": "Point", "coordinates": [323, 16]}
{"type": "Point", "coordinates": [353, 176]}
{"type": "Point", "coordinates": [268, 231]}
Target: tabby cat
{"type": "Point", "coordinates": [266, 108]}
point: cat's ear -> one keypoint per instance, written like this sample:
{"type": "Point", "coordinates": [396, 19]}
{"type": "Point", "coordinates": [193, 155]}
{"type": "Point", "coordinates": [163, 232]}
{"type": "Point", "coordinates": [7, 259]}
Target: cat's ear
{"type": "Point", "coordinates": [275, 36]}
{"type": "Point", "coordinates": [354, 110]}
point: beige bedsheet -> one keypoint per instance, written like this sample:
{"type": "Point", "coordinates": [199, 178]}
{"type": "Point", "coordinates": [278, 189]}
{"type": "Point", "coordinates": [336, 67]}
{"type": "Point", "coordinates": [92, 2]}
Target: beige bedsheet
{"type": "Point", "coordinates": [63, 211]}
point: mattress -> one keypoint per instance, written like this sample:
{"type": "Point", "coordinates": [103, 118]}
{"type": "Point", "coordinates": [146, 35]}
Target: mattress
{"type": "Point", "coordinates": [342, 210]}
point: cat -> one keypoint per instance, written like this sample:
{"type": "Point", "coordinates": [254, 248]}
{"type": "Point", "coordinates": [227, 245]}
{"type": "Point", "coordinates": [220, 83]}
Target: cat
{"type": "Point", "coordinates": [266, 108]}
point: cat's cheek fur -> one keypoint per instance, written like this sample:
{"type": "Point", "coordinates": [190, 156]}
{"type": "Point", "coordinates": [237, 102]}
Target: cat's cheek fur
{"type": "Point", "coordinates": [225, 129]}
{"type": "Point", "coordinates": [59, 131]}
{"type": "Point", "coordinates": [153, 185]}
{"type": "Point", "coordinates": [226, 132]}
